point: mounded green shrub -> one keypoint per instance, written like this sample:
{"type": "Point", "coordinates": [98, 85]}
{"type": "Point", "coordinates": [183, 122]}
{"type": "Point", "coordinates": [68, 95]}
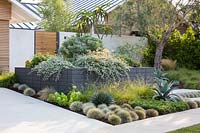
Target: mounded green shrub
{"type": "Point", "coordinates": [152, 113]}
{"type": "Point", "coordinates": [95, 113]}
{"type": "Point", "coordinates": [76, 106]}
{"type": "Point", "coordinates": [102, 98]}
{"type": "Point", "coordinates": [141, 114]}
{"type": "Point", "coordinates": [37, 59]}
{"type": "Point", "coordinates": [163, 107]}
{"type": "Point", "coordinates": [29, 92]}
{"type": "Point", "coordinates": [22, 87]}
{"type": "Point", "coordinates": [114, 119]}
{"type": "Point", "coordinates": [7, 80]}
{"type": "Point", "coordinates": [192, 104]}
{"type": "Point", "coordinates": [124, 115]}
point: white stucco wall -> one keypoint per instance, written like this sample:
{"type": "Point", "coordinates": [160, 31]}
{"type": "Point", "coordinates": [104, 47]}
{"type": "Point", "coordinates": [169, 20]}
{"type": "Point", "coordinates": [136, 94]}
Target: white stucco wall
{"type": "Point", "coordinates": [21, 47]}
{"type": "Point", "coordinates": [110, 42]}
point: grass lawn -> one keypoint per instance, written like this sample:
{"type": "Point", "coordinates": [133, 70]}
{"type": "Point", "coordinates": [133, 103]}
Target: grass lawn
{"type": "Point", "coordinates": [192, 129]}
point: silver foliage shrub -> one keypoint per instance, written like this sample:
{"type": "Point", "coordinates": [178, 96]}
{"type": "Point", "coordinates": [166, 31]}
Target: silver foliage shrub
{"type": "Point", "coordinates": [52, 68]}
{"type": "Point", "coordinates": [105, 66]}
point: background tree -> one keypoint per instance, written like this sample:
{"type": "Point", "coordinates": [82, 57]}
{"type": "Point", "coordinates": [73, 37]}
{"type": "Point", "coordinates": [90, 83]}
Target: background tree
{"type": "Point", "coordinates": [159, 18]}
{"type": "Point", "coordinates": [57, 15]}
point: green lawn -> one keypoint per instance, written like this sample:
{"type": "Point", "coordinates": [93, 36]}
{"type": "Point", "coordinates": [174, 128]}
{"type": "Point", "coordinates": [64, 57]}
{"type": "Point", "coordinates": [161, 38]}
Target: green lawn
{"type": "Point", "coordinates": [192, 129]}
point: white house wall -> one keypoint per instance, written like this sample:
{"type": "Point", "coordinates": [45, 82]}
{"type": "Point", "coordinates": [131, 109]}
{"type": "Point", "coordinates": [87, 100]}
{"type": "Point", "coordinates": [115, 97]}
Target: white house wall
{"type": "Point", "coordinates": [21, 47]}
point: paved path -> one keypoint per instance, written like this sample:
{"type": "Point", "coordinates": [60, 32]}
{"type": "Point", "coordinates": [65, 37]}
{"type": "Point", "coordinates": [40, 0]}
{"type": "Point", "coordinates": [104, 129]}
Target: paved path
{"type": "Point", "coordinates": [22, 114]}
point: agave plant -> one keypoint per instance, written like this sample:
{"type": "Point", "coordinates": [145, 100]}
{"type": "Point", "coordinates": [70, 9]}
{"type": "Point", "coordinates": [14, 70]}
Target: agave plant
{"type": "Point", "coordinates": [163, 90]}
{"type": "Point", "coordinates": [158, 74]}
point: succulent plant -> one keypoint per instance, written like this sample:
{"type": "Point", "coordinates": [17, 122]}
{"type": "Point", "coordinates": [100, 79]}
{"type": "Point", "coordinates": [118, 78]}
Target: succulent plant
{"type": "Point", "coordinates": [76, 106]}
{"type": "Point", "coordinates": [44, 93]}
{"type": "Point", "coordinates": [29, 92]}
{"type": "Point", "coordinates": [152, 113]}
{"type": "Point", "coordinates": [22, 87]}
{"type": "Point", "coordinates": [198, 103]}
{"type": "Point", "coordinates": [125, 105]}
{"type": "Point", "coordinates": [192, 104]}
{"type": "Point", "coordinates": [141, 114]}
{"type": "Point", "coordinates": [139, 108]}
{"type": "Point", "coordinates": [102, 98]}
{"type": "Point", "coordinates": [108, 114]}
{"type": "Point", "coordinates": [87, 108]}
{"type": "Point", "coordinates": [16, 85]}
{"type": "Point", "coordinates": [114, 119]}
{"type": "Point", "coordinates": [102, 106]}
{"type": "Point", "coordinates": [134, 116]}
{"type": "Point", "coordinates": [124, 115]}
{"type": "Point", "coordinates": [106, 110]}
{"type": "Point", "coordinates": [88, 104]}
{"type": "Point", "coordinates": [114, 107]}
{"type": "Point", "coordinates": [95, 113]}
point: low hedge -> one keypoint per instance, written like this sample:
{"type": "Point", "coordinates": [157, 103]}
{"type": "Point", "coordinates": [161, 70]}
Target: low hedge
{"type": "Point", "coordinates": [163, 107]}
{"type": "Point", "coordinates": [8, 79]}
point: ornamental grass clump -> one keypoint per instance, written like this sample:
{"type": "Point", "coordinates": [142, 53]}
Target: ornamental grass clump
{"type": "Point", "coordinates": [52, 68]}
{"type": "Point", "coordinates": [102, 98]}
{"type": "Point", "coordinates": [105, 66]}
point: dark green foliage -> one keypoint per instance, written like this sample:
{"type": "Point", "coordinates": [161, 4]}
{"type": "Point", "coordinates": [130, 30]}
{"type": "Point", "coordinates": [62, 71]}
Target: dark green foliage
{"type": "Point", "coordinates": [102, 98]}
{"type": "Point", "coordinates": [187, 48]}
{"type": "Point", "coordinates": [37, 59]}
{"type": "Point", "coordinates": [189, 79]}
{"type": "Point", "coordinates": [163, 107]}
{"type": "Point", "coordinates": [114, 119]}
{"type": "Point", "coordinates": [80, 45]}
{"type": "Point", "coordinates": [8, 79]}
{"type": "Point", "coordinates": [131, 62]}
{"type": "Point", "coordinates": [95, 113]}
{"type": "Point", "coordinates": [29, 92]}
{"type": "Point", "coordinates": [152, 113]}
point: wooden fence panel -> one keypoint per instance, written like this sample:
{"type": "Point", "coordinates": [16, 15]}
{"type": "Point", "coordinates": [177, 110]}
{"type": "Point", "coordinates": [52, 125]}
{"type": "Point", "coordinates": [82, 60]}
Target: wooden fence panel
{"type": "Point", "coordinates": [4, 45]}
{"type": "Point", "coordinates": [45, 42]}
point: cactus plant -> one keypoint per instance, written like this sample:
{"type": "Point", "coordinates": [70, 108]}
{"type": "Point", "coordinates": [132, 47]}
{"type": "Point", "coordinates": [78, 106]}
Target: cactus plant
{"type": "Point", "coordinates": [22, 87]}
{"type": "Point", "coordinates": [76, 106]}
{"type": "Point", "coordinates": [87, 108]}
{"type": "Point", "coordinates": [192, 104]}
{"type": "Point", "coordinates": [16, 85]}
{"type": "Point", "coordinates": [114, 119]}
{"type": "Point", "coordinates": [139, 108]}
{"type": "Point", "coordinates": [141, 114]}
{"type": "Point", "coordinates": [88, 104]}
{"type": "Point", "coordinates": [125, 105]}
{"type": "Point", "coordinates": [124, 115]}
{"type": "Point", "coordinates": [198, 103]}
{"type": "Point", "coordinates": [106, 110]}
{"type": "Point", "coordinates": [114, 107]}
{"type": "Point", "coordinates": [152, 113]}
{"type": "Point", "coordinates": [102, 98]}
{"type": "Point", "coordinates": [95, 113]}
{"type": "Point", "coordinates": [108, 114]}
{"type": "Point", "coordinates": [44, 93]}
{"type": "Point", "coordinates": [29, 92]}
{"type": "Point", "coordinates": [134, 116]}
{"type": "Point", "coordinates": [102, 106]}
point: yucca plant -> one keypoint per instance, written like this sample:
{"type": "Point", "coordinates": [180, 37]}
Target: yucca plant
{"type": "Point", "coordinates": [163, 90]}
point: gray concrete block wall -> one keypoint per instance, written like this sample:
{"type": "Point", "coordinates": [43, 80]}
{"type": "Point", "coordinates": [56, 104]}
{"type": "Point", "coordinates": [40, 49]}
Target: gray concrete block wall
{"type": "Point", "coordinates": [78, 77]}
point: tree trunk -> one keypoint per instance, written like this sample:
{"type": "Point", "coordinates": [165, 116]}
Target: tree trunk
{"type": "Point", "coordinates": [158, 55]}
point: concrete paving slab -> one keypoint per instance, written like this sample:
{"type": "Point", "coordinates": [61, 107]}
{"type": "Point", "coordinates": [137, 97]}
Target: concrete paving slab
{"type": "Point", "coordinates": [22, 114]}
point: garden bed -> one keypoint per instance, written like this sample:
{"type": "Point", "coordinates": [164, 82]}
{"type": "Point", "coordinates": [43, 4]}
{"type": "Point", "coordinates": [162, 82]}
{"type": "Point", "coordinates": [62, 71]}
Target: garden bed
{"type": "Point", "coordinates": [79, 77]}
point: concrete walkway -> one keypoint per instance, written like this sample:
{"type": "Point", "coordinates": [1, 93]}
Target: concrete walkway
{"type": "Point", "coordinates": [22, 114]}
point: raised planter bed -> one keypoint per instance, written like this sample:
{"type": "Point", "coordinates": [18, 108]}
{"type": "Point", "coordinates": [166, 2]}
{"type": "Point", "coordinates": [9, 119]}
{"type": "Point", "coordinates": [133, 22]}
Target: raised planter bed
{"type": "Point", "coordinates": [78, 77]}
